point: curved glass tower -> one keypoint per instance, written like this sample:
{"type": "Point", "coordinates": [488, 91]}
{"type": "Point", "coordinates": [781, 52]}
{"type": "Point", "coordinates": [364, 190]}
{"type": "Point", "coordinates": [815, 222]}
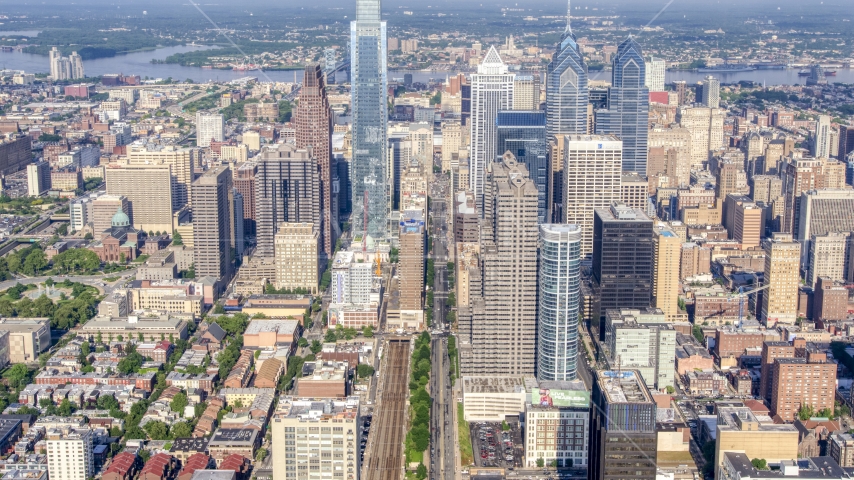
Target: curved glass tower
{"type": "Point", "coordinates": [369, 85]}
{"type": "Point", "coordinates": [559, 291]}
{"type": "Point", "coordinates": [566, 88]}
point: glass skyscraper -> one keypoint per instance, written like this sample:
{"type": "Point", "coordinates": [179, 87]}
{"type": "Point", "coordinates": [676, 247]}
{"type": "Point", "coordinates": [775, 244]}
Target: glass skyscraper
{"type": "Point", "coordinates": [559, 281]}
{"type": "Point", "coordinates": [369, 85]}
{"type": "Point", "coordinates": [523, 133]}
{"type": "Point", "coordinates": [566, 87]}
{"type": "Point", "coordinates": [627, 113]}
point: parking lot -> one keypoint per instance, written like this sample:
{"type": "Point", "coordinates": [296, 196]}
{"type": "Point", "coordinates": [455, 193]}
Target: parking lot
{"type": "Point", "coordinates": [493, 447]}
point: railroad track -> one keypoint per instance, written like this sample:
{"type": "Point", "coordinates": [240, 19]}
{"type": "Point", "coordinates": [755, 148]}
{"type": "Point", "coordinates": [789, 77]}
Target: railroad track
{"type": "Point", "coordinates": [388, 432]}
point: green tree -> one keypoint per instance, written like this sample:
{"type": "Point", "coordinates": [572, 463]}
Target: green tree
{"type": "Point", "coordinates": [181, 430]}
{"type": "Point", "coordinates": [759, 463]}
{"type": "Point", "coordinates": [107, 402]}
{"type": "Point", "coordinates": [364, 370]}
{"type": "Point", "coordinates": [541, 463]}
{"type": "Point", "coordinates": [421, 472]}
{"type": "Point", "coordinates": [806, 412]}
{"type": "Point", "coordinates": [179, 402]}
{"type": "Point", "coordinates": [315, 347]}
{"type": "Point", "coordinates": [330, 336]}
{"type": "Point", "coordinates": [302, 342]}
{"type": "Point", "coordinates": [35, 262]}
{"type": "Point", "coordinates": [505, 426]}
{"type": "Point", "coordinates": [66, 408]}
{"type": "Point", "coordinates": [261, 455]}
{"type": "Point", "coordinates": [368, 331]}
{"type": "Point", "coordinates": [157, 430]}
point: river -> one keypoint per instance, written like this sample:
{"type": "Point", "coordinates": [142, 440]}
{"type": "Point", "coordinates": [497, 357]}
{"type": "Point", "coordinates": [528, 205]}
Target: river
{"type": "Point", "coordinates": [139, 63]}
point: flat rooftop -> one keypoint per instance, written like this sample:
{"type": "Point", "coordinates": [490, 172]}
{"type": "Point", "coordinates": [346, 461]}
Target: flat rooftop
{"type": "Point", "coordinates": [623, 387]}
{"type": "Point", "coordinates": [503, 384]}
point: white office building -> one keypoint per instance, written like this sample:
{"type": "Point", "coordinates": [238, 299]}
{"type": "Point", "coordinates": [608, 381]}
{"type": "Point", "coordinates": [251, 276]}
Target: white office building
{"type": "Point", "coordinates": [711, 92]}
{"type": "Point", "coordinates": [655, 69]}
{"type": "Point", "coordinates": [491, 92]}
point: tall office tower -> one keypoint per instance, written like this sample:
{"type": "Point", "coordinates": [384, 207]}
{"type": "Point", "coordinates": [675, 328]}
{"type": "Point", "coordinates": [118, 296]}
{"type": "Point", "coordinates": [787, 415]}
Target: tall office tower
{"type": "Point", "coordinates": [313, 120]}
{"type": "Point", "coordinates": [592, 170]}
{"type": "Point", "coordinates": [296, 419]}
{"type": "Point", "coordinates": [38, 178]}
{"type": "Point", "coordinates": [181, 160]}
{"type": "Point", "coordinates": [559, 299]}
{"type": "Point", "coordinates": [827, 257]}
{"type": "Point", "coordinates": [399, 156]}
{"type": "Point", "coordinates": [623, 255]}
{"type": "Point", "coordinates": [678, 164]}
{"type": "Point", "coordinates": [821, 212]}
{"type": "Point", "coordinates": [821, 138]}
{"type": "Point", "coordinates": [491, 92]}
{"type": "Point", "coordinates": [499, 327]}
{"type": "Point", "coordinates": [634, 191]}
{"type": "Point", "coordinates": [707, 131]}
{"type": "Point", "coordinates": [209, 127]}
{"type": "Point", "coordinates": [665, 282]}
{"type": "Point", "coordinates": [526, 92]}
{"type": "Point", "coordinates": [623, 441]}
{"type": "Point", "coordinates": [69, 453]}
{"type": "Point", "coordinates": [287, 189]}
{"type": "Point", "coordinates": [451, 145]}
{"type": "Point", "coordinates": [846, 142]}
{"type": "Point", "coordinates": [369, 80]}
{"type": "Point", "coordinates": [804, 174]}
{"type": "Point", "coordinates": [627, 112]}
{"type": "Point", "coordinates": [244, 183]}
{"type": "Point", "coordinates": [642, 340]}
{"type": "Point", "coordinates": [150, 190]}
{"type": "Point", "coordinates": [412, 260]}
{"type": "Point", "coordinates": [566, 87]}
{"type": "Point", "coordinates": [681, 88]}
{"type": "Point", "coordinates": [782, 274]}
{"type": "Point", "coordinates": [655, 70]}
{"type": "Point", "coordinates": [711, 92]}
{"type": "Point", "coordinates": [212, 216]}
{"type": "Point", "coordinates": [297, 251]}
{"type": "Point", "coordinates": [76, 63]}
{"type": "Point", "coordinates": [524, 135]}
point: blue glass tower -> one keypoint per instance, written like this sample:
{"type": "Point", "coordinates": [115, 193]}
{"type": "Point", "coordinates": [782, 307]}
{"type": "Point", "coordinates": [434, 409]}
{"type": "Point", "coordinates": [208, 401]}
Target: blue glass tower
{"type": "Point", "coordinates": [627, 114]}
{"type": "Point", "coordinates": [524, 135]}
{"type": "Point", "coordinates": [369, 86]}
{"type": "Point", "coordinates": [566, 87]}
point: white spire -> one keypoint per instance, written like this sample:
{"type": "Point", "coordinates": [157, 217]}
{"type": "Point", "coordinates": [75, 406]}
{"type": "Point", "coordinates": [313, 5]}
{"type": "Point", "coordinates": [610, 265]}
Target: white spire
{"type": "Point", "coordinates": [568, 30]}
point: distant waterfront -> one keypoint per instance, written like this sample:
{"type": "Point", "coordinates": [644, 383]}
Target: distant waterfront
{"type": "Point", "coordinates": [139, 63]}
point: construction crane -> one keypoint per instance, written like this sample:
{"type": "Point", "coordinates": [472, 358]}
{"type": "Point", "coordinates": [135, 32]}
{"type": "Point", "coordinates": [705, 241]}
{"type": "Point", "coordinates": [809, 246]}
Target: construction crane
{"type": "Point", "coordinates": [741, 295]}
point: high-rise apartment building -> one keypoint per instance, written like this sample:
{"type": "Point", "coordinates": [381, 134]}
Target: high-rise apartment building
{"type": "Point", "coordinates": [69, 453]}
{"type": "Point", "coordinates": [498, 329]}
{"type": "Point", "coordinates": [707, 130]}
{"type": "Point", "coordinates": [821, 138]}
{"type": "Point", "coordinates": [313, 121]}
{"type": "Point", "coordinates": [804, 174]}
{"type": "Point", "coordinates": [559, 281]}
{"type": "Point", "coordinates": [351, 280]}
{"type": "Point", "coordinates": [806, 381]}
{"type": "Point", "coordinates": [287, 189]}
{"type": "Point", "coordinates": [307, 429]}
{"type": "Point", "coordinates": [38, 178]}
{"type": "Point", "coordinates": [526, 92]}
{"type": "Point", "coordinates": [623, 255]}
{"type": "Point", "coordinates": [665, 281]}
{"type": "Point", "coordinates": [150, 190]}
{"type": "Point", "coordinates": [65, 68]}
{"type": "Point", "coordinates": [524, 135]}
{"type": "Point", "coordinates": [209, 127]}
{"type": "Point", "coordinates": [782, 274]}
{"type": "Point", "coordinates": [655, 70]}
{"type": "Point", "coordinates": [491, 92]}
{"type": "Point", "coordinates": [451, 144]}
{"type": "Point", "coordinates": [623, 441]}
{"type": "Point", "coordinates": [592, 170]}
{"type": "Point", "coordinates": [634, 191]}
{"type": "Point", "coordinates": [711, 92]}
{"type": "Point", "coordinates": [557, 419]}
{"type": "Point", "coordinates": [296, 253]}
{"type": "Point", "coordinates": [566, 88]}
{"type": "Point", "coordinates": [676, 143]}
{"type": "Point", "coordinates": [627, 112]}
{"type": "Point", "coordinates": [412, 259]}
{"type": "Point", "coordinates": [244, 183]}
{"type": "Point", "coordinates": [766, 188]}
{"type": "Point", "coordinates": [368, 93]}
{"type": "Point", "coordinates": [212, 229]}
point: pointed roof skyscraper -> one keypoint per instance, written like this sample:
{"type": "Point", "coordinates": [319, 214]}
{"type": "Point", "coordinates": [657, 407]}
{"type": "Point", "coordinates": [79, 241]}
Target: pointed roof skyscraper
{"type": "Point", "coordinates": [492, 63]}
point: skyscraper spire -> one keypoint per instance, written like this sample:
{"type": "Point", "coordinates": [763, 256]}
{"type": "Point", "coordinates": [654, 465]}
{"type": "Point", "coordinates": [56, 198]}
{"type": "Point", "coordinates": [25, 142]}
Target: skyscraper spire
{"type": "Point", "coordinates": [568, 30]}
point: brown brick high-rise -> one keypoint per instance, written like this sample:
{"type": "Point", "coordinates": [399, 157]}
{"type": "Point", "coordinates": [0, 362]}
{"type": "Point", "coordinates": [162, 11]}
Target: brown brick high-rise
{"type": "Point", "coordinates": [313, 121]}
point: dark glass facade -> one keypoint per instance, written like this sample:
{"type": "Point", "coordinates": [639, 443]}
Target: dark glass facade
{"type": "Point", "coordinates": [524, 135]}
